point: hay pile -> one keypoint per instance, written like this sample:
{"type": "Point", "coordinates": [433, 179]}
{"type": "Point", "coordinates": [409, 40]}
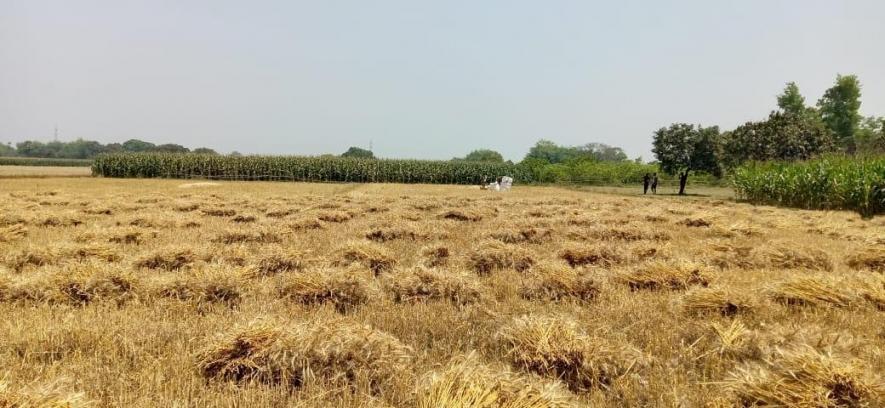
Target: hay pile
{"type": "Point", "coordinates": [219, 212]}
{"type": "Point", "coordinates": [205, 286]}
{"type": "Point", "coordinates": [393, 233]}
{"type": "Point", "coordinates": [345, 289]}
{"type": "Point", "coordinates": [25, 258]}
{"type": "Point", "coordinates": [715, 300]}
{"type": "Point", "coordinates": [468, 383]}
{"type": "Point", "coordinates": [278, 260]}
{"type": "Point", "coordinates": [248, 237]}
{"type": "Point", "coordinates": [558, 348]}
{"type": "Point", "coordinates": [372, 256]}
{"type": "Point", "coordinates": [586, 255]}
{"type": "Point", "coordinates": [334, 216]}
{"type": "Point", "coordinates": [494, 256]}
{"type": "Point", "coordinates": [92, 251]}
{"type": "Point", "coordinates": [554, 282]}
{"type": "Point", "coordinates": [806, 258]}
{"type": "Point", "coordinates": [305, 224]}
{"type": "Point", "coordinates": [529, 235]}
{"type": "Point", "coordinates": [170, 259]}
{"type": "Point", "coordinates": [435, 256]}
{"type": "Point", "coordinates": [45, 396]}
{"type": "Point", "coordinates": [806, 377]}
{"type": "Point", "coordinates": [459, 215]}
{"type": "Point", "coordinates": [244, 219]}
{"type": "Point", "coordinates": [420, 284]}
{"type": "Point", "coordinates": [871, 258]}
{"type": "Point", "coordinates": [334, 352]}
{"type": "Point", "coordinates": [811, 291]}
{"type": "Point", "coordinates": [672, 275]}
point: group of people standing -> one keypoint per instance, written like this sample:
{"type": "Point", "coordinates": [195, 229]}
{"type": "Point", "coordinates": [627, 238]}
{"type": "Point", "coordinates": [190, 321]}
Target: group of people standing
{"type": "Point", "coordinates": [652, 181]}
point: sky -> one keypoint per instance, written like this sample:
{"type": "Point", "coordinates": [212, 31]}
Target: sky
{"type": "Point", "coordinates": [418, 79]}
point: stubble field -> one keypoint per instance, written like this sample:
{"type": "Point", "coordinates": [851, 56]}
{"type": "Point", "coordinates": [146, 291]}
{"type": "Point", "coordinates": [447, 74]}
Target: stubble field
{"type": "Point", "coordinates": [150, 293]}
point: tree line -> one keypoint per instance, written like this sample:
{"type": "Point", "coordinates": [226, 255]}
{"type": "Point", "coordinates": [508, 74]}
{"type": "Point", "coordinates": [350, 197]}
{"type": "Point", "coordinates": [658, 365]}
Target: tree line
{"type": "Point", "coordinates": [88, 149]}
{"type": "Point", "coordinates": [793, 132]}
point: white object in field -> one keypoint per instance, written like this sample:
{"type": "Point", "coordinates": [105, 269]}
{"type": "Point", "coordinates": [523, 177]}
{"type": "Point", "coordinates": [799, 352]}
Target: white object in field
{"type": "Point", "coordinates": [494, 186]}
{"type": "Point", "coordinates": [506, 183]}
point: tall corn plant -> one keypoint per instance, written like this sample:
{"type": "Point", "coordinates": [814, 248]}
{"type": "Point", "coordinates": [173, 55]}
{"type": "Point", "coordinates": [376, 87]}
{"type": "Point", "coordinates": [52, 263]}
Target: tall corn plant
{"type": "Point", "coordinates": [297, 168]}
{"type": "Point", "coordinates": [830, 182]}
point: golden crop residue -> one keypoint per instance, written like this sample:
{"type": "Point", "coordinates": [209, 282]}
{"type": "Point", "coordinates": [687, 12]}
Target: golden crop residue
{"type": "Point", "coordinates": [147, 293]}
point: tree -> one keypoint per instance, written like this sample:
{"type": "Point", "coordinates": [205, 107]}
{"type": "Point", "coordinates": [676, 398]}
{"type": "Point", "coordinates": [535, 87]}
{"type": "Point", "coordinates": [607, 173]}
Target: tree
{"type": "Point", "coordinates": [839, 109]}
{"type": "Point", "coordinates": [136, 146]}
{"type": "Point", "coordinates": [791, 101]}
{"type": "Point", "coordinates": [358, 153]}
{"type": "Point", "coordinates": [80, 149]}
{"type": "Point", "coordinates": [783, 136]}
{"type": "Point", "coordinates": [870, 135]}
{"type": "Point", "coordinates": [551, 152]}
{"type": "Point", "coordinates": [171, 148]}
{"type": "Point", "coordinates": [7, 150]}
{"type": "Point", "coordinates": [683, 148]}
{"type": "Point", "coordinates": [484, 155]}
{"type": "Point", "coordinates": [236, 154]}
{"type": "Point", "coordinates": [602, 152]}
{"type": "Point", "coordinates": [204, 150]}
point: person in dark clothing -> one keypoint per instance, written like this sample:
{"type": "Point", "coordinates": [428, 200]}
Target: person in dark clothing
{"type": "Point", "coordinates": [654, 184]}
{"type": "Point", "coordinates": [645, 181]}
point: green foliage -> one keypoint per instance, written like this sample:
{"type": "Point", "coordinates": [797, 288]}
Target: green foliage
{"type": "Point", "coordinates": [6, 151]}
{"type": "Point", "coordinates": [294, 168]}
{"type": "Point", "coordinates": [870, 136]}
{"type": "Point", "coordinates": [137, 146]}
{"type": "Point", "coordinates": [484, 155]}
{"type": "Point", "coordinates": [358, 153]}
{"type": "Point", "coordinates": [34, 161]}
{"type": "Point", "coordinates": [839, 108]}
{"type": "Point", "coordinates": [549, 152]}
{"type": "Point", "coordinates": [784, 136]}
{"type": "Point", "coordinates": [203, 150]}
{"type": "Point", "coordinates": [831, 182]}
{"type": "Point", "coordinates": [171, 148]}
{"type": "Point", "coordinates": [682, 148]}
{"type": "Point", "coordinates": [791, 101]}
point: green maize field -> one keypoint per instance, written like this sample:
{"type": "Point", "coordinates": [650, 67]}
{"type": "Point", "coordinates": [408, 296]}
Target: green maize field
{"type": "Point", "coordinates": [830, 182]}
{"type": "Point", "coordinates": [298, 168]}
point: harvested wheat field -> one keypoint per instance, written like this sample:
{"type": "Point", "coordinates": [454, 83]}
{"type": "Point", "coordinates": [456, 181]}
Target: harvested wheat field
{"type": "Point", "coordinates": [145, 293]}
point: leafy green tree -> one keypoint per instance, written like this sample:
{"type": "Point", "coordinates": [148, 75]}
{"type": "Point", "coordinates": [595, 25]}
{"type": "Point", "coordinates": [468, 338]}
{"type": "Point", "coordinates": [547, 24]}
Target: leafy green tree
{"type": "Point", "coordinates": [7, 150]}
{"type": "Point", "coordinates": [791, 101]}
{"type": "Point", "coordinates": [136, 146]}
{"type": "Point", "coordinates": [602, 152]}
{"type": "Point", "coordinates": [783, 136]}
{"type": "Point", "coordinates": [870, 136]}
{"type": "Point", "coordinates": [113, 148]}
{"type": "Point", "coordinates": [236, 154]}
{"type": "Point", "coordinates": [204, 150]}
{"type": "Point", "coordinates": [80, 149]}
{"type": "Point", "coordinates": [171, 148]}
{"type": "Point", "coordinates": [484, 155]}
{"type": "Point", "coordinates": [550, 152]}
{"type": "Point", "coordinates": [683, 148]}
{"type": "Point", "coordinates": [839, 108]}
{"type": "Point", "coordinates": [358, 153]}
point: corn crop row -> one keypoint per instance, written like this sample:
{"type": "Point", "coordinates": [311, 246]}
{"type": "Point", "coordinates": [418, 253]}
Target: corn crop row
{"type": "Point", "coordinates": [296, 168]}
{"type": "Point", "coordinates": [832, 182]}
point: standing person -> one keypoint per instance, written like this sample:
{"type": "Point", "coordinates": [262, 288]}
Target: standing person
{"type": "Point", "coordinates": [654, 184]}
{"type": "Point", "coordinates": [645, 180]}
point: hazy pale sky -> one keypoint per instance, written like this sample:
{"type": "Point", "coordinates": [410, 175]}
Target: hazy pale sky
{"type": "Point", "coordinates": [417, 78]}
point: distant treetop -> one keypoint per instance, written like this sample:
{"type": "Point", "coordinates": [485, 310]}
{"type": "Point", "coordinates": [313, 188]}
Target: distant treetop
{"type": "Point", "coordinates": [358, 153]}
